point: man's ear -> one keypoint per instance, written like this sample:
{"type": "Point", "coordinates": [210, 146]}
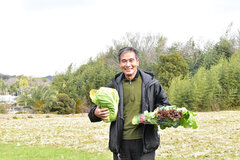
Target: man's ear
{"type": "Point", "coordinates": [138, 62]}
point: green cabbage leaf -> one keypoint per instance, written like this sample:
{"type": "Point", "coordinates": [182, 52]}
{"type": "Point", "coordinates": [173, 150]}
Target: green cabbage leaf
{"type": "Point", "coordinates": [107, 98]}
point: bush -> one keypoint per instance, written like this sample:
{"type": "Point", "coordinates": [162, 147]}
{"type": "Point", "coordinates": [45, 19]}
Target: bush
{"type": "Point", "coordinates": [4, 108]}
{"type": "Point", "coordinates": [79, 106]}
{"type": "Point", "coordinates": [21, 112]}
{"type": "Point", "coordinates": [64, 105]}
{"type": "Point", "coordinates": [30, 116]}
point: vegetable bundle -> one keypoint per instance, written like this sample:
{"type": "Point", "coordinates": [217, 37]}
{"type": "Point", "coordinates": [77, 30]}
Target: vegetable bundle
{"type": "Point", "coordinates": [107, 98]}
{"type": "Point", "coordinates": [168, 116]}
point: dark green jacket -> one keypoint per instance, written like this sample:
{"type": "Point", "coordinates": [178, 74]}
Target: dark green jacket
{"type": "Point", "coordinates": [153, 96]}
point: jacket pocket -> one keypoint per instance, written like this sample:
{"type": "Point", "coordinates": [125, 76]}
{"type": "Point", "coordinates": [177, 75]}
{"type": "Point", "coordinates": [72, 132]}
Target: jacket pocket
{"type": "Point", "coordinates": [151, 138]}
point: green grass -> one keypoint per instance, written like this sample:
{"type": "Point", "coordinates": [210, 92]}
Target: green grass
{"type": "Point", "coordinates": [26, 152]}
{"type": "Point", "coordinates": [35, 152]}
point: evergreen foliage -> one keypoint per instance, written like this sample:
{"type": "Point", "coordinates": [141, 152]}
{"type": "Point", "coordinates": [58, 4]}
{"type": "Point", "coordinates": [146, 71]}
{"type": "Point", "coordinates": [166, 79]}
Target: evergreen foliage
{"type": "Point", "coordinates": [93, 75]}
{"type": "Point", "coordinates": [64, 104]}
{"type": "Point", "coordinates": [196, 78]}
{"type": "Point", "coordinates": [214, 89]}
{"type": "Point", "coordinates": [79, 106]}
{"type": "Point", "coordinates": [3, 87]}
{"type": "Point", "coordinates": [170, 66]}
{"type": "Point", "coordinates": [39, 98]}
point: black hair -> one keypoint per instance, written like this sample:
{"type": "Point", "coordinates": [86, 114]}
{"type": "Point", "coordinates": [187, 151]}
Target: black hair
{"type": "Point", "coordinates": [127, 49]}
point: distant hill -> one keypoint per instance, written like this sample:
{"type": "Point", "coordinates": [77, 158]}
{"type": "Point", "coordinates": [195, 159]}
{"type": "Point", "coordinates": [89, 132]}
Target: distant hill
{"type": "Point", "coordinates": [49, 77]}
{"type": "Point", "coordinates": [5, 77]}
{"type": "Point", "coordinates": [34, 81]}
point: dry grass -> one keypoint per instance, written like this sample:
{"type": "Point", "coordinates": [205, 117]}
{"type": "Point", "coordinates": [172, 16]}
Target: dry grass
{"type": "Point", "coordinates": [75, 131]}
{"type": "Point", "coordinates": [218, 135]}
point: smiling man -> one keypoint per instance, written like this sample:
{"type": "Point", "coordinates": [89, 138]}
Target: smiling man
{"type": "Point", "coordinates": [138, 91]}
{"type": "Point", "coordinates": [128, 64]}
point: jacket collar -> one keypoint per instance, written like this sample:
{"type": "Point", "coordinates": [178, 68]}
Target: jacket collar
{"type": "Point", "coordinates": [136, 76]}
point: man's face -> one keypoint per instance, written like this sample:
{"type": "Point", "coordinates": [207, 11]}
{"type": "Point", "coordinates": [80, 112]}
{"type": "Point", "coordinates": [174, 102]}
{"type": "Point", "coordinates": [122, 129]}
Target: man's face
{"type": "Point", "coordinates": [129, 64]}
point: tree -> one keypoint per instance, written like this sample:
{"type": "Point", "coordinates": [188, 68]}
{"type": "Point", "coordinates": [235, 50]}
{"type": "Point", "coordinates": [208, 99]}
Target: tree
{"type": "Point", "coordinates": [170, 66]}
{"type": "Point", "coordinates": [237, 39]}
{"type": "Point", "coordinates": [3, 87]}
{"type": "Point", "coordinates": [39, 98]}
{"type": "Point", "coordinates": [180, 93]}
{"type": "Point", "coordinates": [149, 46]}
{"type": "Point", "coordinates": [66, 83]}
{"type": "Point", "coordinates": [64, 104]}
{"type": "Point", "coordinates": [222, 49]}
{"type": "Point", "coordinates": [215, 89]}
{"type": "Point", "coordinates": [79, 106]}
{"type": "Point", "coordinates": [229, 73]}
{"type": "Point", "coordinates": [206, 89]}
{"type": "Point", "coordinates": [17, 87]}
{"type": "Point", "coordinates": [193, 55]}
{"type": "Point", "coordinates": [93, 75]}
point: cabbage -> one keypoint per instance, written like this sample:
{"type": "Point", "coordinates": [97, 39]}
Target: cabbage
{"type": "Point", "coordinates": [107, 98]}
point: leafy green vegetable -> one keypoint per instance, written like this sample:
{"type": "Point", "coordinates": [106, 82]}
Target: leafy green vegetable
{"type": "Point", "coordinates": [186, 121]}
{"type": "Point", "coordinates": [107, 98]}
{"type": "Point", "coordinates": [168, 116]}
{"type": "Point", "coordinates": [146, 117]}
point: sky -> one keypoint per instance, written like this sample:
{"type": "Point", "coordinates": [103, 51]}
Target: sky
{"type": "Point", "coordinates": [43, 37]}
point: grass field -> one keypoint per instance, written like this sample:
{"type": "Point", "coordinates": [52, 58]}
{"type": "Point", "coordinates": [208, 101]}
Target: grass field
{"type": "Point", "coordinates": [53, 137]}
{"type": "Point", "coordinates": [36, 152]}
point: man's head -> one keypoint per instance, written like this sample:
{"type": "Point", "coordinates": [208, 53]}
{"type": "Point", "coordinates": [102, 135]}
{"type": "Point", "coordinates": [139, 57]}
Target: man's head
{"type": "Point", "coordinates": [127, 49]}
{"type": "Point", "coordinates": [128, 60]}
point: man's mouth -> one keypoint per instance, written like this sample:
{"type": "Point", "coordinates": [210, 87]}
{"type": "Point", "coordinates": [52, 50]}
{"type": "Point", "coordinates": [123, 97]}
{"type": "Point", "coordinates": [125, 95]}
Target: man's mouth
{"type": "Point", "coordinates": [128, 69]}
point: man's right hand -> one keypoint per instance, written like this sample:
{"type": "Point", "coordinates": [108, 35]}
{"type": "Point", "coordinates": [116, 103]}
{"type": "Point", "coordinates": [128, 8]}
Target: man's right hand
{"type": "Point", "coordinates": [101, 113]}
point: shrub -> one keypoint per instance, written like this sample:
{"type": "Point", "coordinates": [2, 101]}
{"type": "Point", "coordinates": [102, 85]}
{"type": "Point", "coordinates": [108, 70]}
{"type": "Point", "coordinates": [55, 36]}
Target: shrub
{"type": "Point", "coordinates": [64, 105]}
{"type": "Point", "coordinates": [4, 108]}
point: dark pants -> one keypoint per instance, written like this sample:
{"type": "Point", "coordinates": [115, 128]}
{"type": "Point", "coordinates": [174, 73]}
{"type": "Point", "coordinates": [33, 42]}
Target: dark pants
{"type": "Point", "coordinates": [133, 150]}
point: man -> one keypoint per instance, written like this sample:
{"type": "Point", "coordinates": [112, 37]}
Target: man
{"type": "Point", "coordinates": [138, 91]}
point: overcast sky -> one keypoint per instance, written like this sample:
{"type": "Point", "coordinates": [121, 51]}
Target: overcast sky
{"type": "Point", "coordinates": [43, 37]}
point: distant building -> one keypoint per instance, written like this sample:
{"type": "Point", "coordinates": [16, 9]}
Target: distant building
{"type": "Point", "coordinates": [11, 101]}
{"type": "Point", "coordinates": [8, 99]}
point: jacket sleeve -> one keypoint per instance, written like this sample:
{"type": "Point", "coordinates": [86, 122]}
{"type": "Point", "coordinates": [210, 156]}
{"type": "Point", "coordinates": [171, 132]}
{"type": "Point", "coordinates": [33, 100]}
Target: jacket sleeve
{"type": "Point", "coordinates": [92, 116]}
{"type": "Point", "coordinates": [161, 97]}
